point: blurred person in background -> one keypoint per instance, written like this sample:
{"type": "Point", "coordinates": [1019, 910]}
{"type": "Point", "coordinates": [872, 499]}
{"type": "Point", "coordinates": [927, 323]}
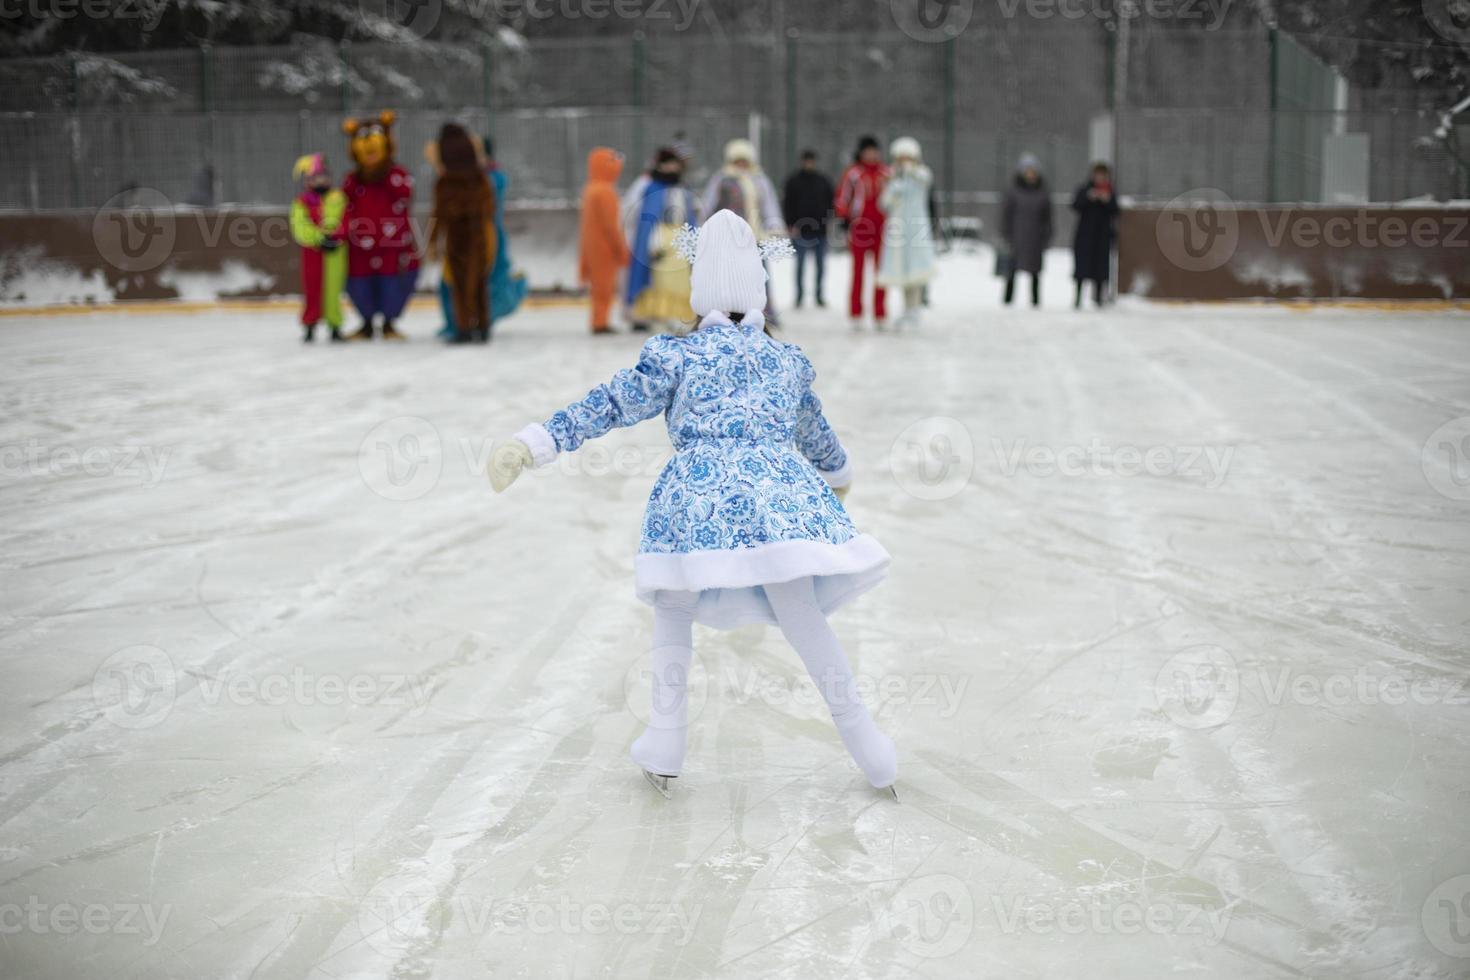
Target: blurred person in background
{"type": "Point", "coordinates": [742, 186]}
{"type": "Point", "coordinates": [1096, 204]}
{"type": "Point", "coordinates": [603, 252]}
{"type": "Point", "coordinates": [316, 225]}
{"type": "Point", "coordinates": [908, 249]}
{"type": "Point", "coordinates": [462, 230]}
{"type": "Point", "coordinates": [858, 193]}
{"type": "Point", "coordinates": [658, 278]}
{"type": "Point", "coordinates": [806, 205]}
{"type": "Point", "coordinates": [1026, 226]}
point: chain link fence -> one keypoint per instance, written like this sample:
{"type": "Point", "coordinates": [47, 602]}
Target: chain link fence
{"type": "Point", "coordinates": [1235, 110]}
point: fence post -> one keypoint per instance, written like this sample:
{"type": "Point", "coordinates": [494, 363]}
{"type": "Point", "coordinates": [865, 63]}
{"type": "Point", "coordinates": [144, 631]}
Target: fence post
{"type": "Point", "coordinates": [949, 135]}
{"type": "Point", "coordinates": [638, 109]}
{"type": "Point", "coordinates": [791, 45]}
{"type": "Point", "coordinates": [76, 131]}
{"type": "Point", "coordinates": [1274, 70]}
{"type": "Point", "coordinates": [487, 70]}
{"type": "Point", "coordinates": [206, 105]}
{"type": "Point", "coordinates": [345, 66]}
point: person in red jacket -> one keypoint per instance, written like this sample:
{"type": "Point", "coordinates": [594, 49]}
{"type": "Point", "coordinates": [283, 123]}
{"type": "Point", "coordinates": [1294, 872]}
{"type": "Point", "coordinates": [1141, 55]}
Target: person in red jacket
{"type": "Point", "coordinates": [857, 206]}
{"type": "Point", "coordinates": [382, 258]}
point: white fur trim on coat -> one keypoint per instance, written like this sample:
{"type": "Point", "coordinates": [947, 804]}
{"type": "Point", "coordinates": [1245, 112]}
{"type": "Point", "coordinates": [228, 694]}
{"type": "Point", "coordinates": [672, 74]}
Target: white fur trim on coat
{"type": "Point", "coordinates": [539, 441]}
{"type": "Point", "coordinates": [729, 582]}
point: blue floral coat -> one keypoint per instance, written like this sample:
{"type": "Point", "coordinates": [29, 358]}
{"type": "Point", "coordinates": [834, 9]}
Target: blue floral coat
{"type": "Point", "coordinates": [747, 497]}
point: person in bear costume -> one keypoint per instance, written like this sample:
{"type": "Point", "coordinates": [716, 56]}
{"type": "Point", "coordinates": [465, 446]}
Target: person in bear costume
{"type": "Point", "coordinates": [382, 258]}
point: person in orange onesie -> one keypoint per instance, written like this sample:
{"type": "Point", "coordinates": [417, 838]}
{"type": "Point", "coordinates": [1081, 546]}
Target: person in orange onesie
{"type": "Point", "coordinates": [604, 252]}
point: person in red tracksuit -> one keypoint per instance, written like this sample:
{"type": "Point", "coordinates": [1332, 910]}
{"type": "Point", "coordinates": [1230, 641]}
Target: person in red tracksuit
{"type": "Point", "coordinates": [857, 205]}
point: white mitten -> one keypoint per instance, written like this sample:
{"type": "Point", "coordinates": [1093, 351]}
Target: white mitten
{"type": "Point", "coordinates": [506, 463]}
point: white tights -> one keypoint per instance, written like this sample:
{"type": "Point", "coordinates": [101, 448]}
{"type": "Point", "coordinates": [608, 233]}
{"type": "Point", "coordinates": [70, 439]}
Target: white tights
{"type": "Point", "coordinates": [660, 749]}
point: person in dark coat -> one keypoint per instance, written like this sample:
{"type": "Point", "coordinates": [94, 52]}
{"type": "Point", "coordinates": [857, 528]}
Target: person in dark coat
{"type": "Point", "coordinates": [1092, 250]}
{"type": "Point", "coordinates": [1026, 226]}
{"type": "Point", "coordinates": [806, 204]}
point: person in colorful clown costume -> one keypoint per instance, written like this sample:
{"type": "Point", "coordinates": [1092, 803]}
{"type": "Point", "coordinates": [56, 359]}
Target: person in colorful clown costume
{"type": "Point", "coordinates": [382, 261]}
{"type": "Point", "coordinates": [316, 224]}
{"type": "Point", "coordinates": [746, 523]}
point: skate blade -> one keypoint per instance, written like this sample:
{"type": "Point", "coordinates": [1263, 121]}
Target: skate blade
{"type": "Point", "coordinates": [660, 783]}
{"type": "Point", "coordinates": [891, 791]}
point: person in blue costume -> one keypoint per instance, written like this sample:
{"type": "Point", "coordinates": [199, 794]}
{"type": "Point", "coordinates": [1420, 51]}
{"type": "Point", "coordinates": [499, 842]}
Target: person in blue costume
{"type": "Point", "coordinates": [746, 523]}
{"type": "Point", "coordinates": [658, 276]}
{"type": "Point", "coordinates": [507, 288]}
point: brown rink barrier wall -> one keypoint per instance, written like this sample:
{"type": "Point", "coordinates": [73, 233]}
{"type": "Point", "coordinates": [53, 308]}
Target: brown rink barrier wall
{"type": "Point", "coordinates": [144, 254]}
{"type": "Point", "coordinates": [1300, 252]}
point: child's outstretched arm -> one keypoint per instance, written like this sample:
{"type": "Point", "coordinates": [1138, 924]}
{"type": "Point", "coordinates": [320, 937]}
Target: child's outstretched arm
{"type": "Point", "coordinates": [817, 442]}
{"type": "Point", "coordinates": [633, 395]}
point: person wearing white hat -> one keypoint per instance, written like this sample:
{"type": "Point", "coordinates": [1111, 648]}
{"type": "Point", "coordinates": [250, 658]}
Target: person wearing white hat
{"type": "Point", "coordinates": [907, 260]}
{"type": "Point", "coordinates": [1026, 227]}
{"type": "Point", "coordinates": [746, 522]}
{"type": "Point", "coordinates": [742, 186]}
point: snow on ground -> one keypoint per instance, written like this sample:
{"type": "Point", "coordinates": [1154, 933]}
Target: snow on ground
{"type": "Point", "coordinates": [1174, 649]}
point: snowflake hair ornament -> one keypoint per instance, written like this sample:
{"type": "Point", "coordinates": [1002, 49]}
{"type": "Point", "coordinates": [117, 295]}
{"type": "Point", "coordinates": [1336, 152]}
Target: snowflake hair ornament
{"type": "Point", "coordinates": [686, 243]}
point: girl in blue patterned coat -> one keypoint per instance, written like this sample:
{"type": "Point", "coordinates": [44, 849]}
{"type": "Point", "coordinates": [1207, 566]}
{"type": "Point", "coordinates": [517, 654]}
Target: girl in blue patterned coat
{"type": "Point", "coordinates": [745, 524]}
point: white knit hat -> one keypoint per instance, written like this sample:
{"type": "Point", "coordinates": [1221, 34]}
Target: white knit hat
{"type": "Point", "coordinates": [905, 146]}
{"type": "Point", "coordinates": [728, 276]}
{"type": "Point", "coordinates": [740, 149]}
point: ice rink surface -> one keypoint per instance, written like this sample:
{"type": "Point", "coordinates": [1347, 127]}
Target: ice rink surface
{"type": "Point", "coordinates": [1174, 648]}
